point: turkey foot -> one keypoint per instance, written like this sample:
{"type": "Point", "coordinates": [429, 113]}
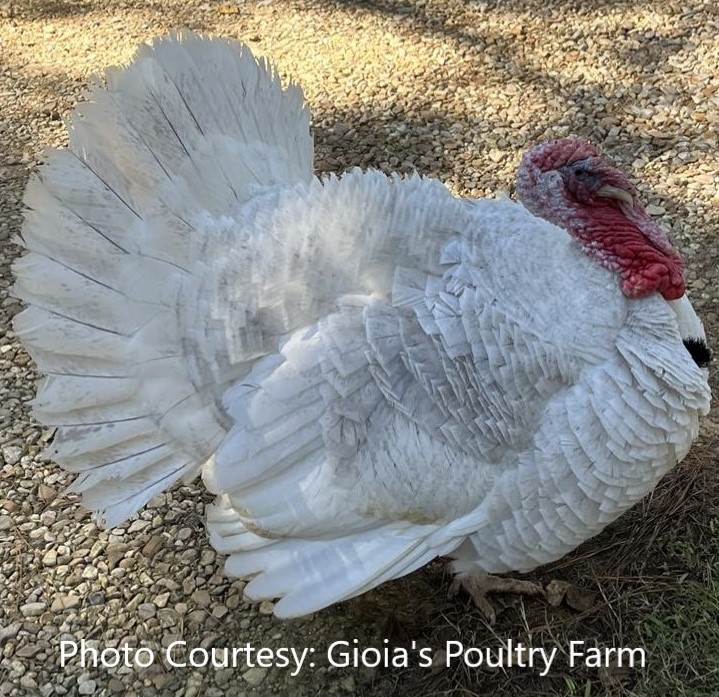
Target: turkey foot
{"type": "Point", "coordinates": [478, 585]}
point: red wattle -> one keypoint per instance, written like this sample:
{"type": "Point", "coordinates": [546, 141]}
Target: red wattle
{"type": "Point", "coordinates": [638, 251]}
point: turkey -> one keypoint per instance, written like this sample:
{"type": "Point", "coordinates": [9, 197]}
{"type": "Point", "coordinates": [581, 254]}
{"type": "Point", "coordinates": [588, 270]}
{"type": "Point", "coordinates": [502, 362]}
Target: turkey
{"type": "Point", "coordinates": [368, 372]}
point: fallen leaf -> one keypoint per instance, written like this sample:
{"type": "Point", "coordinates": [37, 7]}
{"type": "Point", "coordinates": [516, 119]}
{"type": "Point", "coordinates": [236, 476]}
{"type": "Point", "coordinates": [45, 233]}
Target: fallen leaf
{"type": "Point", "coordinates": [577, 598]}
{"type": "Point", "coordinates": [580, 599]}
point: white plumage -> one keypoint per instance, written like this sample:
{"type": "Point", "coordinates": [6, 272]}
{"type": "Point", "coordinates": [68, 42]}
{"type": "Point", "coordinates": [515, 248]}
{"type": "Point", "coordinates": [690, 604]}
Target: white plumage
{"type": "Point", "coordinates": [369, 373]}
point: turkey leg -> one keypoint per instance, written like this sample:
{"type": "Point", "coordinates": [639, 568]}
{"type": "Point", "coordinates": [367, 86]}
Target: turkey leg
{"type": "Point", "coordinates": [478, 585]}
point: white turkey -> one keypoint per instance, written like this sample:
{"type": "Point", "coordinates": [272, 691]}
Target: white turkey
{"type": "Point", "coordinates": [368, 372]}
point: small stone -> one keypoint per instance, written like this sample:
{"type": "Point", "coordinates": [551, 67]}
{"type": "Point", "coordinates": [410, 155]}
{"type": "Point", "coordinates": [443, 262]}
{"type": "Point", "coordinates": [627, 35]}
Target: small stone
{"type": "Point", "coordinates": [32, 609]}
{"type": "Point", "coordinates": [207, 556]}
{"type": "Point", "coordinates": [49, 558]}
{"type": "Point", "coordinates": [28, 682]}
{"type": "Point", "coordinates": [156, 501]}
{"type": "Point", "coordinates": [163, 680]}
{"type": "Point", "coordinates": [138, 526]}
{"type": "Point", "coordinates": [267, 607]}
{"type": "Point", "coordinates": [219, 611]}
{"type": "Point", "coordinates": [224, 676]}
{"type": "Point", "coordinates": [6, 523]}
{"type": "Point", "coordinates": [89, 573]}
{"type": "Point", "coordinates": [152, 546]}
{"type": "Point", "coordinates": [349, 685]}
{"type": "Point", "coordinates": [194, 685]}
{"type": "Point", "coordinates": [496, 155]}
{"type": "Point", "coordinates": [167, 617]}
{"type": "Point", "coordinates": [9, 632]}
{"type": "Point", "coordinates": [115, 685]}
{"type": "Point", "coordinates": [197, 616]}
{"type": "Point", "coordinates": [17, 668]}
{"type": "Point", "coordinates": [64, 602]}
{"type": "Point", "coordinates": [169, 584]}
{"type": "Point", "coordinates": [146, 611]}
{"type": "Point", "coordinates": [556, 590]}
{"type": "Point", "coordinates": [161, 600]}
{"type": "Point", "coordinates": [96, 598]}
{"type": "Point", "coordinates": [201, 598]}
{"type": "Point", "coordinates": [11, 454]}
{"type": "Point", "coordinates": [46, 493]}
{"type": "Point", "coordinates": [28, 651]}
{"type": "Point", "coordinates": [87, 687]}
{"type": "Point", "coordinates": [254, 676]}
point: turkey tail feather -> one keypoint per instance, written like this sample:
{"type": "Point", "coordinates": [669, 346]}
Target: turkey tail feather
{"type": "Point", "coordinates": [192, 129]}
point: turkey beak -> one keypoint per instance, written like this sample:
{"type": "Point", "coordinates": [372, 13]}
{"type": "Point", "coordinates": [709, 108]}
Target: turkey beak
{"type": "Point", "coordinates": [617, 193]}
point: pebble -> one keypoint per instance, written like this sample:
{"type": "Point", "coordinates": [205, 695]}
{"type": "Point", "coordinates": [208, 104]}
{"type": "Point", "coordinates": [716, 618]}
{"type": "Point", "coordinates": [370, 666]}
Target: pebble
{"type": "Point", "coordinates": [28, 682]}
{"type": "Point", "coordinates": [254, 676]}
{"type": "Point", "coordinates": [146, 610]}
{"type": "Point", "coordinates": [64, 602]}
{"type": "Point", "coordinates": [6, 523]}
{"type": "Point", "coordinates": [46, 493]}
{"type": "Point", "coordinates": [9, 632]}
{"type": "Point", "coordinates": [90, 572]}
{"type": "Point", "coordinates": [201, 598]}
{"type": "Point", "coordinates": [152, 546]}
{"type": "Point", "coordinates": [11, 454]}
{"type": "Point", "coordinates": [138, 526]}
{"type": "Point", "coordinates": [87, 687]}
{"type": "Point", "coordinates": [32, 609]}
{"type": "Point", "coordinates": [115, 685]}
{"type": "Point", "coordinates": [219, 611]}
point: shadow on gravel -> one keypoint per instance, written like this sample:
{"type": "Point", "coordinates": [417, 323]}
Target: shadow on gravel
{"type": "Point", "coordinates": [52, 9]}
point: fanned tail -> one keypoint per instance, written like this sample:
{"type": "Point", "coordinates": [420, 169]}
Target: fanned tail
{"type": "Point", "coordinates": [189, 132]}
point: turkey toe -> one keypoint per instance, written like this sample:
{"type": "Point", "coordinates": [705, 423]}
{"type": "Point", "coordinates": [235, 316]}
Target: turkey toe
{"type": "Point", "coordinates": [478, 586]}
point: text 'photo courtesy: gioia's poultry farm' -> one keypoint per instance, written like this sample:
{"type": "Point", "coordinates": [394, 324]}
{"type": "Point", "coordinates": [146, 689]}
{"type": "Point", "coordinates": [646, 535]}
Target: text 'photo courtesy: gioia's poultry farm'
{"type": "Point", "coordinates": [368, 373]}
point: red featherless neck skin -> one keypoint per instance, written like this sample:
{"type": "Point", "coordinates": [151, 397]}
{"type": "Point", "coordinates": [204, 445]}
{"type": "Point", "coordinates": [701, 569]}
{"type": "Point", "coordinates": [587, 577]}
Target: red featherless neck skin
{"type": "Point", "coordinates": [568, 183]}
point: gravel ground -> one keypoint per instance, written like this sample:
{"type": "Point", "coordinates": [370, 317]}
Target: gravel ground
{"type": "Point", "coordinates": [455, 89]}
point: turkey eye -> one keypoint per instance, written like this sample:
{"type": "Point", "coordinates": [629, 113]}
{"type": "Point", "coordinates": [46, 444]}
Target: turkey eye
{"type": "Point", "coordinates": [581, 172]}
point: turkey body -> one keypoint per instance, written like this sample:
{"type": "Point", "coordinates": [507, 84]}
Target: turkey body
{"type": "Point", "coordinates": [368, 372]}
